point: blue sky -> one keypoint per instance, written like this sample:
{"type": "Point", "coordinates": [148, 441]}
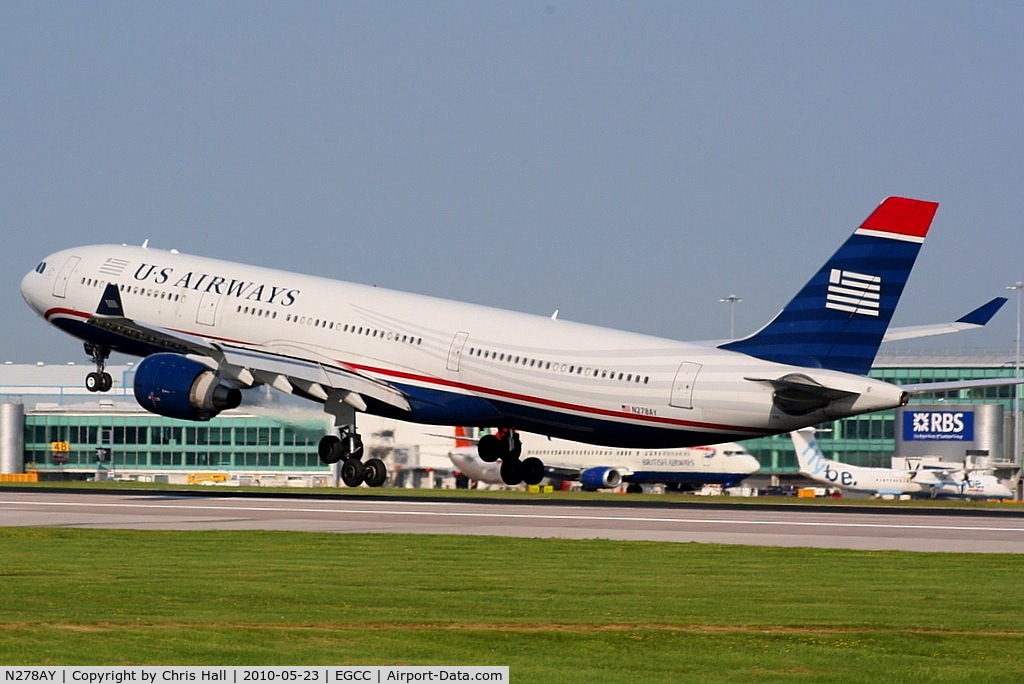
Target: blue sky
{"type": "Point", "coordinates": [629, 164]}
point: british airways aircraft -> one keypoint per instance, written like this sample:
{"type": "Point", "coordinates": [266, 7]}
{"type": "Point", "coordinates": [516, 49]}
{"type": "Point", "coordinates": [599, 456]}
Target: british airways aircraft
{"type": "Point", "coordinates": [208, 329]}
{"type": "Point", "coordinates": [680, 470]}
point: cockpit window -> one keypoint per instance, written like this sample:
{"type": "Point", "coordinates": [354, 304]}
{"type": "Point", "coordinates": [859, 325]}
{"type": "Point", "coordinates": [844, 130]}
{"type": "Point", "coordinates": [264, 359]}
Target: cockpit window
{"type": "Point", "coordinates": [41, 267]}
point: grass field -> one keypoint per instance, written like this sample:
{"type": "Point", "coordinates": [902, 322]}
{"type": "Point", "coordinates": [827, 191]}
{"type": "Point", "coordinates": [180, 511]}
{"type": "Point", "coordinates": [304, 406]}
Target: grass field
{"type": "Point", "coordinates": [552, 610]}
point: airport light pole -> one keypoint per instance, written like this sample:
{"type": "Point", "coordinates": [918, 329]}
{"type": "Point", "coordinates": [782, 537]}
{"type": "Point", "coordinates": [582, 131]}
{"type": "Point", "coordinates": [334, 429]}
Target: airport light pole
{"type": "Point", "coordinates": [731, 300]}
{"type": "Point", "coordinates": [1018, 286]}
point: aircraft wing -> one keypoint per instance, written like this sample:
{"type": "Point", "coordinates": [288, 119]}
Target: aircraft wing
{"type": "Point", "coordinates": [562, 471]}
{"type": "Point", "coordinates": [110, 316]}
{"type": "Point", "coordinates": [975, 319]}
{"type": "Point", "coordinates": [291, 369]}
{"type": "Point", "coordinates": [930, 387]}
{"type": "Point", "coordinates": [937, 477]}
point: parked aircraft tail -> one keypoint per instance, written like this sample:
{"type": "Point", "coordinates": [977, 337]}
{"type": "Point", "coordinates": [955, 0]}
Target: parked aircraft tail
{"type": "Point", "coordinates": [809, 457]}
{"type": "Point", "coordinates": [839, 318]}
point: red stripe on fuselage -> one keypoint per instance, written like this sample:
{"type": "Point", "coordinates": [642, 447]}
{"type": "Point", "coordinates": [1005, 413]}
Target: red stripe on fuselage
{"type": "Point", "coordinates": [550, 403]}
{"type": "Point", "coordinates": [430, 380]}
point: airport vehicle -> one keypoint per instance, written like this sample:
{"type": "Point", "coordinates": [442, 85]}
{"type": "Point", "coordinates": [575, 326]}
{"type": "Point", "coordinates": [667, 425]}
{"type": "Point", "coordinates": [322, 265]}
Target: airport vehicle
{"type": "Point", "coordinates": [209, 328]}
{"type": "Point", "coordinates": [598, 467]}
{"type": "Point", "coordinates": [922, 477]}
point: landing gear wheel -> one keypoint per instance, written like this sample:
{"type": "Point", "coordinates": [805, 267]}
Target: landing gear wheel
{"type": "Point", "coordinates": [376, 473]}
{"type": "Point", "coordinates": [489, 448]}
{"type": "Point", "coordinates": [98, 382]}
{"type": "Point", "coordinates": [532, 470]}
{"type": "Point", "coordinates": [511, 472]}
{"type": "Point", "coordinates": [330, 449]}
{"type": "Point", "coordinates": [505, 444]}
{"type": "Point", "coordinates": [353, 472]}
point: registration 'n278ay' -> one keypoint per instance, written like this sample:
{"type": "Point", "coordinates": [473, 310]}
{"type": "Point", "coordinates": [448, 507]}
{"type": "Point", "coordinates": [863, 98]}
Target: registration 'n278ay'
{"type": "Point", "coordinates": [30, 675]}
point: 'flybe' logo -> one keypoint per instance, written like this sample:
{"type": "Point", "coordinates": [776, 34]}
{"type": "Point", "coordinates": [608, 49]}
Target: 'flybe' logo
{"type": "Point", "coordinates": [818, 466]}
{"type": "Point", "coordinates": [854, 292]}
{"type": "Point", "coordinates": [938, 426]}
{"type": "Point", "coordinates": [206, 282]}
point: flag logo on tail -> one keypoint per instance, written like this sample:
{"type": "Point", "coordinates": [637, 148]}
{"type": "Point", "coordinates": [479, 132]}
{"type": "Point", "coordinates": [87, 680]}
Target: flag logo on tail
{"type": "Point", "coordinates": [853, 292]}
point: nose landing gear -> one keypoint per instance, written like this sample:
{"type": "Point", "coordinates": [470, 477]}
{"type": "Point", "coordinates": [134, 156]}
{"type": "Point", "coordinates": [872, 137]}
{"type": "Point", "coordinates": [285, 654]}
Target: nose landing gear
{"type": "Point", "coordinates": [99, 380]}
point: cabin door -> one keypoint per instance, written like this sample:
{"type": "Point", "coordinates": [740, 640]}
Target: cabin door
{"type": "Point", "coordinates": [60, 285]}
{"type": "Point", "coordinates": [455, 351]}
{"type": "Point", "coordinates": [682, 386]}
{"type": "Point", "coordinates": [207, 313]}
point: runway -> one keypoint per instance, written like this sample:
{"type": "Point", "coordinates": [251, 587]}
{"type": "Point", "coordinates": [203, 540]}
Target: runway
{"type": "Point", "coordinates": [973, 531]}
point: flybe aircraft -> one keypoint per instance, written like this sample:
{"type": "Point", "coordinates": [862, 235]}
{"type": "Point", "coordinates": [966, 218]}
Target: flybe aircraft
{"type": "Point", "coordinates": [598, 467]}
{"type": "Point", "coordinates": [924, 479]}
{"type": "Point", "coordinates": [208, 329]}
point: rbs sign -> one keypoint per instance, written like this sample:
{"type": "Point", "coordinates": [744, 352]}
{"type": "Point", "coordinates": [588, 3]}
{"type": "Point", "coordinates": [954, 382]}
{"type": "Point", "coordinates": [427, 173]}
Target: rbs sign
{"type": "Point", "coordinates": [944, 426]}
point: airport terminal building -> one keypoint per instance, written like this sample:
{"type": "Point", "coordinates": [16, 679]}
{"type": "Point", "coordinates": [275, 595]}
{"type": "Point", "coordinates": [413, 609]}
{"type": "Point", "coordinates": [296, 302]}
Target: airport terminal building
{"type": "Point", "coordinates": [51, 425]}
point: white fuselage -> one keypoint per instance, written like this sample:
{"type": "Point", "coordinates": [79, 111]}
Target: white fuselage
{"type": "Point", "coordinates": [456, 360]}
{"type": "Point", "coordinates": [724, 464]}
{"type": "Point", "coordinates": [927, 480]}
{"type": "Point", "coordinates": [891, 481]}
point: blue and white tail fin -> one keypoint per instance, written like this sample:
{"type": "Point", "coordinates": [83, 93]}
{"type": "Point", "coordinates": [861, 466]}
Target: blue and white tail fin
{"type": "Point", "coordinates": [839, 318]}
{"type": "Point", "coordinates": [809, 457]}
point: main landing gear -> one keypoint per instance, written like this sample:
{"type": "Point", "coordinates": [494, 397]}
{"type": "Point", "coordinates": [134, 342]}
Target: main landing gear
{"type": "Point", "coordinates": [346, 446]}
{"type": "Point", "coordinates": [100, 380]}
{"type": "Point", "coordinates": [505, 445]}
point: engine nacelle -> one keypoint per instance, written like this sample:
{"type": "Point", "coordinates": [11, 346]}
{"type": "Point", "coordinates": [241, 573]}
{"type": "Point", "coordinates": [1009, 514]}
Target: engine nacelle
{"type": "Point", "coordinates": [177, 387]}
{"type": "Point", "coordinates": [600, 478]}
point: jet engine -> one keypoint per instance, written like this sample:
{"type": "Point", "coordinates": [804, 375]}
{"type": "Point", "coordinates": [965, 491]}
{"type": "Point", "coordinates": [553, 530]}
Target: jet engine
{"type": "Point", "coordinates": [600, 478]}
{"type": "Point", "coordinates": [175, 386]}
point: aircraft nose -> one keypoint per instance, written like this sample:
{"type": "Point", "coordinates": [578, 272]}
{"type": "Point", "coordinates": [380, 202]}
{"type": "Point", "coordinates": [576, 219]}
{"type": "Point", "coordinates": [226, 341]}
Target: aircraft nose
{"type": "Point", "coordinates": [33, 286]}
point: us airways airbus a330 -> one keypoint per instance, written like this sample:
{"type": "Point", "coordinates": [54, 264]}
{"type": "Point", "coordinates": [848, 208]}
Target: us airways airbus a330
{"type": "Point", "coordinates": [208, 329]}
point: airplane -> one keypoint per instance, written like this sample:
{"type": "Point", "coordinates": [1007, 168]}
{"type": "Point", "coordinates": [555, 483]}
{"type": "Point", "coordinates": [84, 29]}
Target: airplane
{"type": "Point", "coordinates": [924, 478]}
{"type": "Point", "coordinates": [599, 467]}
{"type": "Point", "coordinates": [209, 328]}
{"type": "Point", "coordinates": [679, 469]}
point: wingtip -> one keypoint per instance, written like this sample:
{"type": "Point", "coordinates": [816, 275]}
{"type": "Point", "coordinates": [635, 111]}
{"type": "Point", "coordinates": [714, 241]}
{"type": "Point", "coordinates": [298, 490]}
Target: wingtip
{"type": "Point", "coordinates": [110, 302]}
{"type": "Point", "coordinates": [983, 314]}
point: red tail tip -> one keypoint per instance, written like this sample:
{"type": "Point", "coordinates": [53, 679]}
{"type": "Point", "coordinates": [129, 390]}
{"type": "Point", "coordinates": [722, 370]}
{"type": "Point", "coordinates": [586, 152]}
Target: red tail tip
{"type": "Point", "coordinates": [902, 216]}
